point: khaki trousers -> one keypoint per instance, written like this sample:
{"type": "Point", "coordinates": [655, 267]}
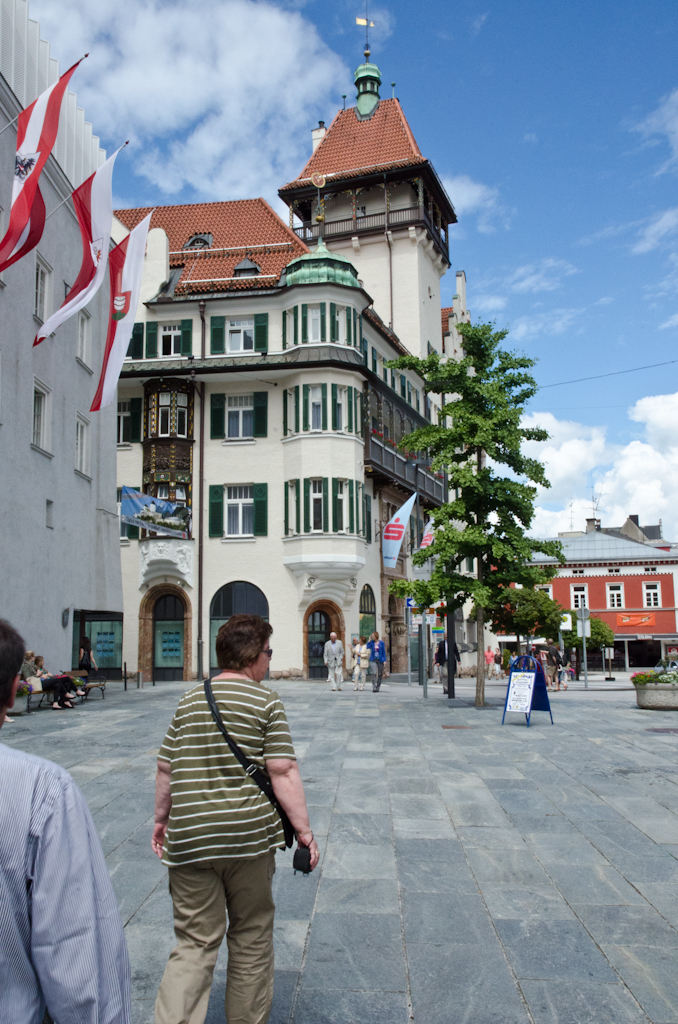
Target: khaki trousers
{"type": "Point", "coordinates": [201, 894]}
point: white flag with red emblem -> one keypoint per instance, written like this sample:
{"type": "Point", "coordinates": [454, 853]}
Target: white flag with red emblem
{"type": "Point", "coordinates": [36, 134]}
{"type": "Point", "coordinates": [394, 531]}
{"type": "Point", "coordinates": [126, 265]}
{"type": "Point", "coordinates": [93, 202]}
{"type": "Point", "coordinates": [427, 539]}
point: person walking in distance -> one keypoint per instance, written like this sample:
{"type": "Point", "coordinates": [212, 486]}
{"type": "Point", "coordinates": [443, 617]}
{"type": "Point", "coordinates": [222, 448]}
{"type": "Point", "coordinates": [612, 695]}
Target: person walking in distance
{"type": "Point", "coordinates": [62, 946]}
{"type": "Point", "coordinates": [86, 660]}
{"type": "Point", "coordinates": [333, 656]}
{"type": "Point", "coordinates": [448, 659]}
{"type": "Point", "coordinates": [553, 663]}
{"type": "Point", "coordinates": [361, 653]}
{"type": "Point", "coordinates": [377, 660]}
{"type": "Point", "coordinates": [217, 832]}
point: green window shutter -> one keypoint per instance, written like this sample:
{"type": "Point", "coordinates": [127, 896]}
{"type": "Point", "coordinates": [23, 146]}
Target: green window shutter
{"type": "Point", "coordinates": [261, 332]}
{"type": "Point", "coordinates": [350, 507]}
{"type": "Point", "coordinates": [260, 493]}
{"type": "Point", "coordinates": [363, 342]}
{"type": "Point", "coordinates": [298, 505]}
{"type": "Point", "coordinates": [217, 335]}
{"type": "Point", "coordinates": [335, 503]}
{"type": "Point", "coordinates": [358, 489]}
{"type": "Point", "coordinates": [304, 323]}
{"type": "Point", "coordinates": [355, 329]}
{"type": "Point", "coordinates": [296, 409]}
{"type": "Point", "coordinates": [305, 416]}
{"type": "Point", "coordinates": [333, 321]}
{"type": "Point", "coordinates": [326, 504]}
{"type": "Point", "coordinates": [323, 317]}
{"type": "Point", "coordinates": [359, 426]}
{"type": "Point", "coordinates": [334, 406]}
{"type": "Point", "coordinates": [284, 394]}
{"type": "Point", "coordinates": [349, 406]}
{"type": "Point", "coordinates": [296, 325]}
{"type": "Point", "coordinates": [136, 344]}
{"type": "Point", "coordinates": [287, 508]}
{"type": "Point", "coordinates": [349, 318]}
{"type": "Point", "coordinates": [216, 511]}
{"type": "Point", "coordinates": [186, 337]}
{"type": "Point", "coordinates": [261, 413]}
{"type": "Point", "coordinates": [374, 360]}
{"type": "Point", "coordinates": [217, 416]}
{"type": "Point", "coordinates": [135, 407]}
{"type": "Point", "coordinates": [403, 386]}
{"type": "Point", "coordinates": [324, 406]}
{"type": "Point", "coordinates": [307, 506]}
{"type": "Point", "coordinates": [368, 518]}
{"type": "Point", "coordinates": [152, 340]}
{"type": "Point", "coordinates": [284, 329]}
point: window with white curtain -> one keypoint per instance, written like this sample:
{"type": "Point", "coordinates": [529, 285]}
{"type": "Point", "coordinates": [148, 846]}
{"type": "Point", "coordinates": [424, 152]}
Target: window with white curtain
{"type": "Point", "coordinates": [240, 410]}
{"type": "Point", "coordinates": [82, 444]}
{"type": "Point", "coordinates": [240, 510]}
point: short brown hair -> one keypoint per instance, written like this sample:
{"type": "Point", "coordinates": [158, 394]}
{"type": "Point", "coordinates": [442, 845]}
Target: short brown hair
{"type": "Point", "coordinates": [241, 640]}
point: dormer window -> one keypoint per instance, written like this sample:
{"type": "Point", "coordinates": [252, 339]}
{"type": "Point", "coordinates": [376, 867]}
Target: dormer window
{"type": "Point", "coordinates": [203, 241]}
{"type": "Point", "coordinates": [247, 269]}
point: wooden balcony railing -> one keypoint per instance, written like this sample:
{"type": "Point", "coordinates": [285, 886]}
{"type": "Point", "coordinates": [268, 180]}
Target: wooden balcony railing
{"type": "Point", "coordinates": [374, 221]}
{"type": "Point", "coordinates": [381, 457]}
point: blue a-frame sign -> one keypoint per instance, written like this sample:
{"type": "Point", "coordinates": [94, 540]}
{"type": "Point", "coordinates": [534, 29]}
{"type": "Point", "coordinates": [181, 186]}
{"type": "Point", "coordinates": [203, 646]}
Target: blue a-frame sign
{"type": "Point", "coordinates": [526, 691]}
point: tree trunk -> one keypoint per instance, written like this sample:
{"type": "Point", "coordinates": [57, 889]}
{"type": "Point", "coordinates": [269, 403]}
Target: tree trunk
{"type": "Point", "coordinates": [480, 670]}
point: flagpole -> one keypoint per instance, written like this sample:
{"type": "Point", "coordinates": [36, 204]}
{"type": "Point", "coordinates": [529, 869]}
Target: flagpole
{"type": "Point", "coordinates": [71, 195]}
{"type": "Point", "coordinates": [10, 123]}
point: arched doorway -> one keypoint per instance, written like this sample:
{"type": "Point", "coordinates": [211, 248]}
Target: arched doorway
{"type": "Point", "coordinates": [168, 638]}
{"type": "Point", "coordinates": [318, 635]}
{"type": "Point", "coordinates": [367, 612]}
{"type": "Point", "coordinates": [237, 598]}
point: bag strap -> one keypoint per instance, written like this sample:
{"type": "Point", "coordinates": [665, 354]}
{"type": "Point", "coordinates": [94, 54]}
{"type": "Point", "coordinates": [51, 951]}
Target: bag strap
{"type": "Point", "coordinates": [251, 768]}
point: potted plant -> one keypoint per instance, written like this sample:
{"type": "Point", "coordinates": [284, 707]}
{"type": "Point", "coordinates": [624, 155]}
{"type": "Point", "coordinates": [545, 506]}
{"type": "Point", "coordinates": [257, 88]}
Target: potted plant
{"type": "Point", "coordinates": [656, 691]}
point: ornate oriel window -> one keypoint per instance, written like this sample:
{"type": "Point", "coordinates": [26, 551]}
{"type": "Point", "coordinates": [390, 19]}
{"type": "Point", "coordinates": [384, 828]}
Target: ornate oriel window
{"type": "Point", "coordinates": [168, 444]}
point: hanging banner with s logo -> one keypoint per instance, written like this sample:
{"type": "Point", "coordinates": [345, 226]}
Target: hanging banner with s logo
{"type": "Point", "coordinates": [394, 531]}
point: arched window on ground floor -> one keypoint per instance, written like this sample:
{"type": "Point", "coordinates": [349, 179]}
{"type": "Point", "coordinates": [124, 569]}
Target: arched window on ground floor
{"type": "Point", "coordinates": [237, 598]}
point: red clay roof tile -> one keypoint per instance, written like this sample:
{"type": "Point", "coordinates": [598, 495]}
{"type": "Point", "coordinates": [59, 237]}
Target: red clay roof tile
{"type": "Point", "coordinates": [352, 147]}
{"type": "Point", "coordinates": [240, 225]}
{"type": "Point", "coordinates": [444, 317]}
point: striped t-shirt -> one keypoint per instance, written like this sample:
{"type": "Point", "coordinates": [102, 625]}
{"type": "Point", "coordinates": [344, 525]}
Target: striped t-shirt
{"type": "Point", "coordinates": [217, 811]}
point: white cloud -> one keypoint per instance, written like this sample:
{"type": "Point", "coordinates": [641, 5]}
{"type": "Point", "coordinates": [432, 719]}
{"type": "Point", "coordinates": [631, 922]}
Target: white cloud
{"type": "Point", "coordinates": [545, 276]}
{"type": "Point", "coordinates": [664, 122]}
{"type": "Point", "coordinates": [554, 321]}
{"type": "Point", "coordinates": [489, 303]}
{"type": "Point", "coordinates": [671, 322]}
{"type": "Point", "coordinates": [656, 230]}
{"type": "Point", "coordinates": [217, 97]}
{"type": "Point", "coordinates": [638, 478]}
{"type": "Point", "coordinates": [478, 23]}
{"type": "Point", "coordinates": [472, 197]}
{"type": "Point", "coordinates": [530, 137]}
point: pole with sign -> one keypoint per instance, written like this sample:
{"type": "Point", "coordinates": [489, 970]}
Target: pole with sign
{"type": "Point", "coordinates": [584, 630]}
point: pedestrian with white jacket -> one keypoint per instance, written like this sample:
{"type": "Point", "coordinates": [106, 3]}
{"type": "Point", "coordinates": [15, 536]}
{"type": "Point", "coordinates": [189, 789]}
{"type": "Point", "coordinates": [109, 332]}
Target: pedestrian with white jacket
{"type": "Point", "coordinates": [361, 653]}
{"type": "Point", "coordinates": [333, 656]}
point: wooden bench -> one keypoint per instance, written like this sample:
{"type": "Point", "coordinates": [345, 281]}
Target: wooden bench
{"type": "Point", "coordinates": [94, 683]}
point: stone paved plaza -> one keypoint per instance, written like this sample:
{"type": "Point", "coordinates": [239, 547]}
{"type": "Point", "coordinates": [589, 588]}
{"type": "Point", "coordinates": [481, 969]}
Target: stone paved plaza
{"type": "Point", "coordinates": [469, 872]}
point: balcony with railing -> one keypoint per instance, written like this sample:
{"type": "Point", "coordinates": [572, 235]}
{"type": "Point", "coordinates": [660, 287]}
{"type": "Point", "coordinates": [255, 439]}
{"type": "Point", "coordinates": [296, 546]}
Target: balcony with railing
{"type": "Point", "coordinates": [347, 227]}
{"type": "Point", "coordinates": [386, 461]}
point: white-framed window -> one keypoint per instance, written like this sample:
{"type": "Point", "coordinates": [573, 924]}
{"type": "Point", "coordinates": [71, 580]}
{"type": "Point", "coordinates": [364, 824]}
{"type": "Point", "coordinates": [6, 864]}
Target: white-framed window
{"type": "Point", "coordinates": [342, 497]}
{"type": "Point", "coordinates": [314, 323]}
{"type": "Point", "coordinates": [342, 313]}
{"type": "Point", "coordinates": [182, 414]}
{"type": "Point", "coordinates": [241, 335]}
{"type": "Point", "coordinates": [650, 568]}
{"type": "Point", "coordinates": [292, 506]}
{"type": "Point", "coordinates": [614, 571]}
{"type": "Point", "coordinates": [240, 511]}
{"type": "Point", "coordinates": [577, 572]}
{"type": "Point", "coordinates": [240, 415]}
{"type": "Point", "coordinates": [316, 398]}
{"type": "Point", "coordinates": [289, 398]}
{"type": "Point", "coordinates": [180, 495]}
{"type": "Point", "coordinates": [340, 409]}
{"type": "Point", "coordinates": [547, 588]}
{"type": "Point", "coordinates": [170, 340]}
{"type": "Point", "coordinates": [43, 273]}
{"type": "Point", "coordinates": [164, 413]}
{"type": "Point", "coordinates": [82, 444]}
{"type": "Point", "coordinates": [41, 416]}
{"type": "Point", "coordinates": [162, 491]}
{"type": "Point", "coordinates": [580, 596]}
{"type": "Point", "coordinates": [83, 348]}
{"type": "Point", "coordinates": [615, 595]}
{"type": "Point", "coordinates": [652, 595]}
{"type": "Point", "coordinates": [124, 422]}
{"type": "Point", "coordinates": [317, 506]}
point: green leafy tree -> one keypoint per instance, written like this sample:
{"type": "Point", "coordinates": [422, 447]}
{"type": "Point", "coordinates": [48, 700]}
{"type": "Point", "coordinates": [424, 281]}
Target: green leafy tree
{"type": "Point", "coordinates": [527, 613]}
{"type": "Point", "coordinates": [484, 397]}
{"type": "Point", "coordinates": [601, 635]}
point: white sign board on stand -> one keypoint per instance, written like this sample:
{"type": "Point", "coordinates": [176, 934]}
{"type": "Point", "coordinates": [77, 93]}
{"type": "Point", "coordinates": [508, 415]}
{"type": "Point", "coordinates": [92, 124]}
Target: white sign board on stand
{"type": "Point", "coordinates": [520, 692]}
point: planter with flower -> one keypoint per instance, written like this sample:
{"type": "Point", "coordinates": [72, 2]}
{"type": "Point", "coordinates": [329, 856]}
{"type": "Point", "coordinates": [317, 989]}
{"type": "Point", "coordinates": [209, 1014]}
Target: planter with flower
{"type": "Point", "coordinates": [656, 691]}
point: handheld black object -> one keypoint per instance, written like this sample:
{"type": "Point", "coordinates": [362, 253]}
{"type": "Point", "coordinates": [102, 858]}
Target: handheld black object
{"type": "Point", "coordinates": [253, 770]}
{"type": "Point", "coordinates": [302, 860]}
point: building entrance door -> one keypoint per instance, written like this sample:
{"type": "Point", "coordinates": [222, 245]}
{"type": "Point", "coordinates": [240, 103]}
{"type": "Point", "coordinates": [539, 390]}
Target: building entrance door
{"type": "Point", "coordinates": [168, 638]}
{"type": "Point", "coordinates": [318, 635]}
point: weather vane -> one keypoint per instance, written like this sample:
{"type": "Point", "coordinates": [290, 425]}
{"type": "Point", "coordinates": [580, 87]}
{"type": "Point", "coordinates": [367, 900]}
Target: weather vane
{"type": "Point", "coordinates": [368, 25]}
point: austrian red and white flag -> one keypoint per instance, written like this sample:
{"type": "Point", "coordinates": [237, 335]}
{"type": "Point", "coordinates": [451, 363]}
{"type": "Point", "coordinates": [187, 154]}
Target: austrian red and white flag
{"type": "Point", "coordinates": [427, 539]}
{"type": "Point", "coordinates": [36, 134]}
{"type": "Point", "coordinates": [126, 265]}
{"type": "Point", "coordinates": [93, 202]}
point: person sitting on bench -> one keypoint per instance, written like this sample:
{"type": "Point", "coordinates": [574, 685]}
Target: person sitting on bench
{"type": "Point", "coordinates": [43, 674]}
{"type": "Point", "coordinates": [58, 684]}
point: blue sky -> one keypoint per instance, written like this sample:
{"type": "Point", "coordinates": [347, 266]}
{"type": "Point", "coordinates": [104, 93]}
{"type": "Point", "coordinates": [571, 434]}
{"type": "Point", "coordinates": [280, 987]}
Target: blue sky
{"type": "Point", "coordinates": [554, 126]}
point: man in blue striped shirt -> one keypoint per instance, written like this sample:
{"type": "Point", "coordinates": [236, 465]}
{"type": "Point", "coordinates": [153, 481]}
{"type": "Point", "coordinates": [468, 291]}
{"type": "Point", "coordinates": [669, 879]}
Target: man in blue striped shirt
{"type": "Point", "coordinates": [62, 946]}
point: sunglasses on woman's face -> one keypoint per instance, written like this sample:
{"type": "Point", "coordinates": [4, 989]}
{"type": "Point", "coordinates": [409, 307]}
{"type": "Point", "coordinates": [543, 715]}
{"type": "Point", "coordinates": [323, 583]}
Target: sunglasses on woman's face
{"type": "Point", "coordinates": [269, 651]}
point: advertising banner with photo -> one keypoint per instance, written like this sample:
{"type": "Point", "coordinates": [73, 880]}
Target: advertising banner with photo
{"type": "Point", "coordinates": [154, 514]}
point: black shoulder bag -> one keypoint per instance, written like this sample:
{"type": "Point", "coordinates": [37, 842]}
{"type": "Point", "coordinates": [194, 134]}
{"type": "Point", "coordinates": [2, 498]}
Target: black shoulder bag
{"type": "Point", "coordinates": [251, 769]}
